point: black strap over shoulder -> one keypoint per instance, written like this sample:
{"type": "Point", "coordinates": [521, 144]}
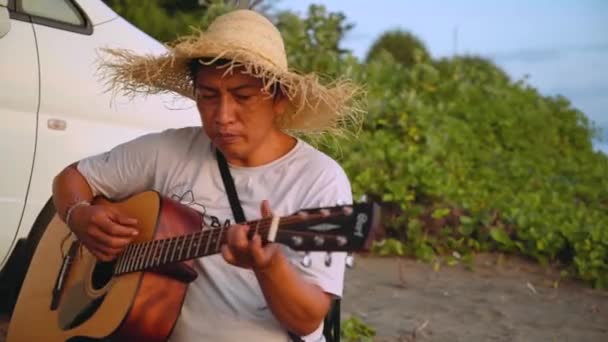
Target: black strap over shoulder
{"type": "Point", "coordinates": [331, 329]}
{"type": "Point", "coordinates": [235, 204]}
{"type": "Point", "coordinates": [233, 197]}
{"type": "Point", "coordinates": [331, 326]}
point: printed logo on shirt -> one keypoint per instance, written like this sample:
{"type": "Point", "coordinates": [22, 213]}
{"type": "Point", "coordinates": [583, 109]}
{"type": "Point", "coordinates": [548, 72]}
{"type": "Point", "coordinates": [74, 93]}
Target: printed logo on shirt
{"type": "Point", "coordinates": [208, 221]}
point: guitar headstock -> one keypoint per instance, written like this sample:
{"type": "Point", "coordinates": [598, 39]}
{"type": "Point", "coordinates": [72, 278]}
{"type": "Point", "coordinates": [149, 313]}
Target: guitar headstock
{"type": "Point", "coordinates": [347, 228]}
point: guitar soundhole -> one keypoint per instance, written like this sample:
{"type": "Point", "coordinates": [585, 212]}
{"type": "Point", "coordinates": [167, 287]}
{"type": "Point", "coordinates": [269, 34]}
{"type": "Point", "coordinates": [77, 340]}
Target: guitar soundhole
{"type": "Point", "coordinates": [102, 274]}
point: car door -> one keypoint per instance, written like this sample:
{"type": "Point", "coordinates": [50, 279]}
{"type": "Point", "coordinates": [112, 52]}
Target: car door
{"type": "Point", "coordinates": [76, 116]}
{"type": "Point", "coordinates": [19, 100]}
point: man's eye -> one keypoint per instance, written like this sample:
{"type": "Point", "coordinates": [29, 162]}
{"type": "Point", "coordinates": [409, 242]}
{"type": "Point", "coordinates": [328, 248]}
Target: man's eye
{"type": "Point", "coordinates": [206, 95]}
{"type": "Point", "coordinates": [243, 97]}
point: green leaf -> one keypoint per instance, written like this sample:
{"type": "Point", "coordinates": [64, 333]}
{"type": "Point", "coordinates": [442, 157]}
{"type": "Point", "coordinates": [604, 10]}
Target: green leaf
{"type": "Point", "coordinates": [440, 213]}
{"type": "Point", "coordinates": [500, 236]}
{"type": "Point", "coordinates": [355, 330]}
{"type": "Point", "coordinates": [466, 229]}
{"type": "Point", "coordinates": [466, 220]}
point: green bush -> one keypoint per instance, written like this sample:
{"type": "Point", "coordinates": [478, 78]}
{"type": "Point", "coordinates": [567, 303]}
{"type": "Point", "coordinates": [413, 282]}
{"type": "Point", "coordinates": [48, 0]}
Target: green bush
{"type": "Point", "coordinates": [403, 47]}
{"type": "Point", "coordinates": [463, 158]}
{"type": "Point", "coordinates": [355, 330]}
{"type": "Point", "coordinates": [166, 20]}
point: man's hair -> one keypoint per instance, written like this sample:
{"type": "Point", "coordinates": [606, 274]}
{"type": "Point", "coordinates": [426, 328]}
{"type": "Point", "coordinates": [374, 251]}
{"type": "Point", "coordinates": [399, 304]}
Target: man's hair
{"type": "Point", "coordinates": [195, 64]}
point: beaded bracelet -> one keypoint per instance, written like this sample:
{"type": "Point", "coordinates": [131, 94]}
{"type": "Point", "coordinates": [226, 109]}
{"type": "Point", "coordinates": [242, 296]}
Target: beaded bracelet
{"type": "Point", "coordinates": [68, 214]}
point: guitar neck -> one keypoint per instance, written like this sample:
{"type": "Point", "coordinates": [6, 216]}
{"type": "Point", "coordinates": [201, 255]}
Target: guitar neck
{"type": "Point", "coordinates": [156, 253]}
{"type": "Point", "coordinates": [340, 228]}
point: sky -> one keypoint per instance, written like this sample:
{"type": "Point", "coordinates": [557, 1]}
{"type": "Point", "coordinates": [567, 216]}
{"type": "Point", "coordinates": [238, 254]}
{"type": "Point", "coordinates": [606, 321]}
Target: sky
{"type": "Point", "coordinates": [562, 46]}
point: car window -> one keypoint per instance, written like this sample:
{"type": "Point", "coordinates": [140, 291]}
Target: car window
{"type": "Point", "coordinates": [59, 10]}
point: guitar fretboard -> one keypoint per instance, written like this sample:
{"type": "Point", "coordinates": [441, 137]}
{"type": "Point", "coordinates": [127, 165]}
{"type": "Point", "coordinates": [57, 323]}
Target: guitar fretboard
{"type": "Point", "coordinates": [156, 253]}
{"type": "Point", "coordinates": [151, 254]}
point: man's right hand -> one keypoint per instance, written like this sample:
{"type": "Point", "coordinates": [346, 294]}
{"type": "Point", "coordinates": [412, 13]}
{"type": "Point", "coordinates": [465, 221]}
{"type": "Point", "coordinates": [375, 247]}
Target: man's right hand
{"type": "Point", "coordinates": [103, 230]}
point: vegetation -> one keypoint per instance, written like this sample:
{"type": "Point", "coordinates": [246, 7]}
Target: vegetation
{"type": "Point", "coordinates": [166, 20]}
{"type": "Point", "coordinates": [463, 158]}
{"type": "Point", "coordinates": [354, 330]}
{"type": "Point", "coordinates": [403, 47]}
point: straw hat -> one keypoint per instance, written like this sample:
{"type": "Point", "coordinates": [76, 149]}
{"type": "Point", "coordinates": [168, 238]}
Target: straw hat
{"type": "Point", "coordinates": [247, 39]}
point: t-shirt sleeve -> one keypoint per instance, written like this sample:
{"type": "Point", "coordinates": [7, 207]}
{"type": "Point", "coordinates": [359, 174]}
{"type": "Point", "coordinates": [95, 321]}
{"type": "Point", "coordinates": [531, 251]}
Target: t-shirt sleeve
{"type": "Point", "coordinates": [330, 189]}
{"type": "Point", "coordinates": [126, 169]}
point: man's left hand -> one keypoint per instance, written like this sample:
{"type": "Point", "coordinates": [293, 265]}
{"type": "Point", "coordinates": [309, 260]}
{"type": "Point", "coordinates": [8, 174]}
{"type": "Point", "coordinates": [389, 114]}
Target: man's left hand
{"type": "Point", "coordinates": [242, 252]}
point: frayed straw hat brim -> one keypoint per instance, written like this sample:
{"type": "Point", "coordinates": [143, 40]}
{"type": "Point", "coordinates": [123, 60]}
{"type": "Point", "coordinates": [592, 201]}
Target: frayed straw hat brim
{"type": "Point", "coordinates": [314, 107]}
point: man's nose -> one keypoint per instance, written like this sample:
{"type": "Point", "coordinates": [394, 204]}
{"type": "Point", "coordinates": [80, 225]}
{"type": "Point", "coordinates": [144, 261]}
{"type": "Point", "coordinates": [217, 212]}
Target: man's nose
{"type": "Point", "coordinates": [225, 111]}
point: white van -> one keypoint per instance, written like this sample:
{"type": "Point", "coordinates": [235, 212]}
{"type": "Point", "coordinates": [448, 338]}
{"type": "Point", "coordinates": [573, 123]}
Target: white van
{"type": "Point", "coordinates": [54, 110]}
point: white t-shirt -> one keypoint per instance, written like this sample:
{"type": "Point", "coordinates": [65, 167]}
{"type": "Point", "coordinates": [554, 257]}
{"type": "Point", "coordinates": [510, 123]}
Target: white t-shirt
{"type": "Point", "coordinates": [225, 303]}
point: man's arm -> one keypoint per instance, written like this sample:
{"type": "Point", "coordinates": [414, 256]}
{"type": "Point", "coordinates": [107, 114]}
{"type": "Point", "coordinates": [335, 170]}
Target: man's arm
{"type": "Point", "coordinates": [299, 305]}
{"type": "Point", "coordinates": [126, 169]}
{"type": "Point", "coordinates": [69, 188]}
{"type": "Point", "coordinates": [104, 231]}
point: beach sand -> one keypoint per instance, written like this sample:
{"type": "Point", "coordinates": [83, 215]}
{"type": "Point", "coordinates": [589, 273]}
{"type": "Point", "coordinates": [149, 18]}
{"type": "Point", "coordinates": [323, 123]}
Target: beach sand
{"type": "Point", "coordinates": [500, 299]}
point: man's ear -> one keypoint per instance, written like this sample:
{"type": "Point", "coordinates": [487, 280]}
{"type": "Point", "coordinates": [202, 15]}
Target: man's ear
{"type": "Point", "coordinates": [280, 103]}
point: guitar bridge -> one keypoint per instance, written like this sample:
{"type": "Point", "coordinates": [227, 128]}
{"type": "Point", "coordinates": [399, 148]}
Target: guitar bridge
{"type": "Point", "coordinates": [60, 281]}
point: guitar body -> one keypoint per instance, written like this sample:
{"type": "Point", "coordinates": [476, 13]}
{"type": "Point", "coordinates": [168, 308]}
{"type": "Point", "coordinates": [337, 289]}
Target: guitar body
{"type": "Point", "coordinates": [68, 295]}
{"type": "Point", "coordinates": [93, 305]}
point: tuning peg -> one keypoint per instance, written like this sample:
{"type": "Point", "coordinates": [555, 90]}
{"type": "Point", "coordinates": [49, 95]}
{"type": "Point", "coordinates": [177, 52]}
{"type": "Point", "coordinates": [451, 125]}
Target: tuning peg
{"type": "Point", "coordinates": [347, 210]}
{"type": "Point", "coordinates": [350, 260]}
{"type": "Point", "coordinates": [297, 240]}
{"type": "Point", "coordinates": [306, 261]}
{"type": "Point", "coordinates": [319, 240]}
{"type": "Point", "coordinates": [328, 259]}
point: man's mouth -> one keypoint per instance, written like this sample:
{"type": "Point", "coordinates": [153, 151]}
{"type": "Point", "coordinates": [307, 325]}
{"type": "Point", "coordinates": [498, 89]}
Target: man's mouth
{"type": "Point", "coordinates": [227, 138]}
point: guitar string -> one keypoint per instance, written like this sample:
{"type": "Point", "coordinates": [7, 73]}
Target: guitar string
{"type": "Point", "coordinates": [265, 222]}
{"type": "Point", "coordinates": [175, 243]}
{"type": "Point", "coordinates": [209, 234]}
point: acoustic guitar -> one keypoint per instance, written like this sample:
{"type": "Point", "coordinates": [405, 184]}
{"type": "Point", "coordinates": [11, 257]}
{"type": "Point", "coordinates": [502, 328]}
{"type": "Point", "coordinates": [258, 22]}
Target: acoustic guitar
{"type": "Point", "coordinates": [69, 295]}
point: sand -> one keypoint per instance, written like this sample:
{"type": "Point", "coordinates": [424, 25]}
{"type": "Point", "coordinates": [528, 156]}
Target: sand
{"type": "Point", "coordinates": [500, 299]}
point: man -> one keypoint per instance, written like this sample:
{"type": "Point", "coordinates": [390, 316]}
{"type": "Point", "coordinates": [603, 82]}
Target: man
{"type": "Point", "coordinates": [249, 101]}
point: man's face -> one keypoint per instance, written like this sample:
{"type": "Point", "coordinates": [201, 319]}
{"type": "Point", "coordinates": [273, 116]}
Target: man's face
{"type": "Point", "coordinates": [237, 115]}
